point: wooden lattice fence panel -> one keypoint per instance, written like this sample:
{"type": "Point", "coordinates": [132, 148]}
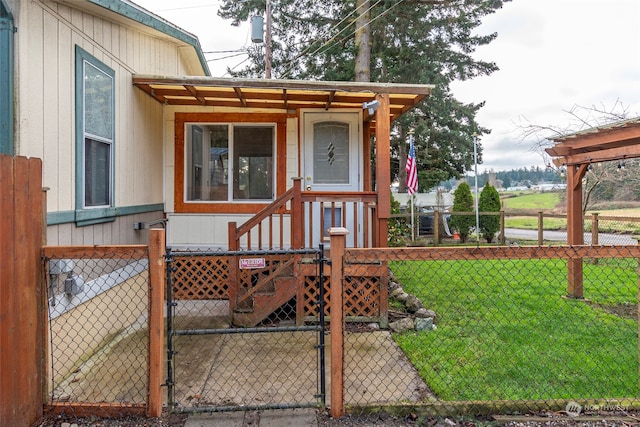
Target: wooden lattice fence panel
{"type": "Point", "coordinates": [311, 294]}
{"type": "Point", "coordinates": [201, 277]}
{"type": "Point", "coordinates": [365, 292]}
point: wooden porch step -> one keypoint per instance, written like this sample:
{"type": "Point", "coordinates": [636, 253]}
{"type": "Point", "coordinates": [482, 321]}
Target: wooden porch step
{"type": "Point", "coordinates": [265, 304]}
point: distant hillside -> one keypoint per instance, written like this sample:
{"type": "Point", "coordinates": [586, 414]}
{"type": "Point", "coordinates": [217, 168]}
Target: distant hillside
{"type": "Point", "coordinates": [524, 177]}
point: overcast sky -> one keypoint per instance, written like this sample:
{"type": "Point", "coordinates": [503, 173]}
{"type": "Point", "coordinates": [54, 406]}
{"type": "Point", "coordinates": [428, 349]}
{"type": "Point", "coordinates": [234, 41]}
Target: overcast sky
{"type": "Point", "coordinates": [552, 54]}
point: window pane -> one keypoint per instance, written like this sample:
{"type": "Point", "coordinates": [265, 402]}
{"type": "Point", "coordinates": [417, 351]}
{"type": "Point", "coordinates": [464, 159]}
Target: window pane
{"type": "Point", "coordinates": [253, 159]}
{"type": "Point", "coordinates": [207, 153]}
{"type": "Point", "coordinates": [97, 161]}
{"type": "Point", "coordinates": [195, 183]}
{"type": "Point", "coordinates": [331, 153]}
{"type": "Point", "coordinates": [219, 163]}
{"type": "Point", "coordinates": [98, 102]}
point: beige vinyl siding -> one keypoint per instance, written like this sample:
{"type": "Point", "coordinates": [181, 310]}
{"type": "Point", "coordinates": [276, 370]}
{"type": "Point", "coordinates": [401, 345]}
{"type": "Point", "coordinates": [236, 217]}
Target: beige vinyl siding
{"type": "Point", "coordinates": [46, 39]}
{"type": "Point", "coordinates": [211, 230]}
{"type": "Point", "coordinates": [120, 231]}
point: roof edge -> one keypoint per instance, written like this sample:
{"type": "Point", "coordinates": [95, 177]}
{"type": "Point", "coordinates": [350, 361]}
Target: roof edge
{"type": "Point", "coordinates": [142, 16]}
{"type": "Point", "coordinates": [634, 121]}
{"type": "Point", "coordinates": [416, 89]}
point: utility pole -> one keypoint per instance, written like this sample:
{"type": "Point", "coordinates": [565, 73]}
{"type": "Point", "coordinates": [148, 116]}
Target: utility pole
{"type": "Point", "coordinates": [267, 43]}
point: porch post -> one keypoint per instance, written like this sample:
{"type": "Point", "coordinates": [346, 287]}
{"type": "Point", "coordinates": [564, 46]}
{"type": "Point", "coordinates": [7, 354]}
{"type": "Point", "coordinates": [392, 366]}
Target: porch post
{"type": "Point", "coordinates": [156, 320]}
{"type": "Point", "coordinates": [383, 167]}
{"type": "Point", "coordinates": [338, 236]}
{"type": "Point", "coordinates": [575, 228]}
{"type": "Point", "coordinates": [297, 224]}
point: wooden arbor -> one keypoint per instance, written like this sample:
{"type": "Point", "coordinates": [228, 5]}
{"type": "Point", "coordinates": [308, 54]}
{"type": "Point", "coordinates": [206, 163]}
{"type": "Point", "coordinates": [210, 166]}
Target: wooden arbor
{"type": "Point", "coordinates": [575, 152]}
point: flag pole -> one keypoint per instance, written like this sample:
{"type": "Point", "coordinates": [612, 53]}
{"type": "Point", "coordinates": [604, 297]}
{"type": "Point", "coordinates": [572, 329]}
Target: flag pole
{"type": "Point", "coordinates": [412, 179]}
{"type": "Point", "coordinates": [413, 227]}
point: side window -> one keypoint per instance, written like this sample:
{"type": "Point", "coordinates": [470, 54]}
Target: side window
{"type": "Point", "coordinates": [95, 130]}
{"type": "Point", "coordinates": [227, 162]}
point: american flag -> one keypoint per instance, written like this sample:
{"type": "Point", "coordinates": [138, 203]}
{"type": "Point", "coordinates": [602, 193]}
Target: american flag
{"type": "Point", "coordinates": [412, 168]}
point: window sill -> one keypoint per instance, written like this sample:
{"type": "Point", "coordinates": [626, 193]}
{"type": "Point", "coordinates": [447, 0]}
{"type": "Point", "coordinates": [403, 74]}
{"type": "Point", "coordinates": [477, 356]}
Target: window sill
{"type": "Point", "coordinates": [86, 217]}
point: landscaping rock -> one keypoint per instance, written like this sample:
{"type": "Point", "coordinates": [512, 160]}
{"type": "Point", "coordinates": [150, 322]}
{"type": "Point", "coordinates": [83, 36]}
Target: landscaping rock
{"type": "Point", "coordinates": [412, 304]}
{"type": "Point", "coordinates": [393, 286]}
{"type": "Point", "coordinates": [374, 326]}
{"type": "Point", "coordinates": [423, 313]}
{"type": "Point", "coordinates": [402, 325]}
{"type": "Point", "coordinates": [424, 324]}
{"type": "Point", "coordinates": [402, 296]}
{"type": "Point", "coordinates": [397, 291]}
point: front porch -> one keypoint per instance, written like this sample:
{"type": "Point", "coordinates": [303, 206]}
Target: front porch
{"type": "Point", "coordinates": [262, 169]}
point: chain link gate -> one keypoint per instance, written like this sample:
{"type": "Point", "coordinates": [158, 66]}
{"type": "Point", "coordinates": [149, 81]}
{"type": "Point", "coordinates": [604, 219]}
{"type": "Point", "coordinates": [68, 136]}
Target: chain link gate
{"type": "Point", "coordinates": [236, 337]}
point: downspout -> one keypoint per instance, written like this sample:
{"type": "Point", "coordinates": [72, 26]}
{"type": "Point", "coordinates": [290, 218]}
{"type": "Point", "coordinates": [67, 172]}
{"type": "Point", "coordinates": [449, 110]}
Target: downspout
{"type": "Point", "coordinates": [6, 81]}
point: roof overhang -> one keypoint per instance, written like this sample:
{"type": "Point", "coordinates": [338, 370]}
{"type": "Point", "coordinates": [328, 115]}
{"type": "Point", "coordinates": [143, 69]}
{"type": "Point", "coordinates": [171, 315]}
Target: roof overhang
{"type": "Point", "coordinates": [614, 141]}
{"type": "Point", "coordinates": [283, 95]}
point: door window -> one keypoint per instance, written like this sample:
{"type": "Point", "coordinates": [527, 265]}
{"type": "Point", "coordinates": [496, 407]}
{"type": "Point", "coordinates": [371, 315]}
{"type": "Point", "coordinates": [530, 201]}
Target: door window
{"type": "Point", "coordinates": [331, 153]}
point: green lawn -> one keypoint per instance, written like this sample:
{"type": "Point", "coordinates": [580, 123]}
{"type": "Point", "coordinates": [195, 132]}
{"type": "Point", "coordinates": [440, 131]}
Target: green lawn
{"type": "Point", "coordinates": [539, 201]}
{"type": "Point", "coordinates": [531, 223]}
{"type": "Point", "coordinates": [504, 331]}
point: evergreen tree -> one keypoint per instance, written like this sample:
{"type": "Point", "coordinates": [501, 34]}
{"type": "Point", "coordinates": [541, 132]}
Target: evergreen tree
{"type": "Point", "coordinates": [412, 41]}
{"type": "Point", "coordinates": [462, 202]}
{"type": "Point", "coordinates": [489, 202]}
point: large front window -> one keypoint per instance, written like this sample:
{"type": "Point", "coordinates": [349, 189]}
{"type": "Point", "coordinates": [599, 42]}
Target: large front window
{"type": "Point", "coordinates": [226, 162]}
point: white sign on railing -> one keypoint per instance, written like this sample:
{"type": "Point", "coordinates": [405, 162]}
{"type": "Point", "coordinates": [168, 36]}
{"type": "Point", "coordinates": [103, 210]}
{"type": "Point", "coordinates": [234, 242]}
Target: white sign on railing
{"type": "Point", "coordinates": [251, 263]}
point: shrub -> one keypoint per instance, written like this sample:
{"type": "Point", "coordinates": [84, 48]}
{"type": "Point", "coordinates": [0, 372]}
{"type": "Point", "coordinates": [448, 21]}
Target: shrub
{"type": "Point", "coordinates": [397, 228]}
{"type": "Point", "coordinates": [462, 202]}
{"type": "Point", "coordinates": [489, 201]}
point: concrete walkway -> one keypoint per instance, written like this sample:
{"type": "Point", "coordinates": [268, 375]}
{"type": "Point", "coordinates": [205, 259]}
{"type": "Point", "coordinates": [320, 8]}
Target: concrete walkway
{"type": "Point", "coordinates": [275, 418]}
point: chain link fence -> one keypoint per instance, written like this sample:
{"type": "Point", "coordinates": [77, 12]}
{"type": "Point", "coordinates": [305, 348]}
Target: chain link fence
{"type": "Point", "coordinates": [98, 304]}
{"type": "Point", "coordinates": [490, 330]}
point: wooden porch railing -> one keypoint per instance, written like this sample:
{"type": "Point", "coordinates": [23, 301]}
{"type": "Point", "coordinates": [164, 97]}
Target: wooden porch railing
{"type": "Point", "coordinates": [268, 229]}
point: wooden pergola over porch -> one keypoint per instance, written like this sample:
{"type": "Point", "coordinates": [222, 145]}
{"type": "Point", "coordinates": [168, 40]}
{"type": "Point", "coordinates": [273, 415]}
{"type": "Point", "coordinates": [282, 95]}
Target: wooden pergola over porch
{"type": "Point", "coordinates": [575, 152]}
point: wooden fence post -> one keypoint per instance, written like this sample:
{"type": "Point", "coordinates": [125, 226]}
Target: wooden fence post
{"type": "Point", "coordinates": [540, 228]}
{"type": "Point", "coordinates": [157, 275]}
{"type": "Point", "coordinates": [502, 237]}
{"type": "Point", "coordinates": [436, 227]}
{"type": "Point", "coordinates": [338, 236]}
{"type": "Point", "coordinates": [594, 229]}
{"type": "Point", "coordinates": [22, 309]}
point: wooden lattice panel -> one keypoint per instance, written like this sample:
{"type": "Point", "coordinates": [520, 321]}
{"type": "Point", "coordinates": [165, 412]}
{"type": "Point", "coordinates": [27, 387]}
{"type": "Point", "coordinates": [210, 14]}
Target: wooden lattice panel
{"type": "Point", "coordinates": [311, 295]}
{"type": "Point", "coordinates": [362, 296]}
{"type": "Point", "coordinates": [200, 277]}
{"type": "Point", "coordinates": [362, 293]}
